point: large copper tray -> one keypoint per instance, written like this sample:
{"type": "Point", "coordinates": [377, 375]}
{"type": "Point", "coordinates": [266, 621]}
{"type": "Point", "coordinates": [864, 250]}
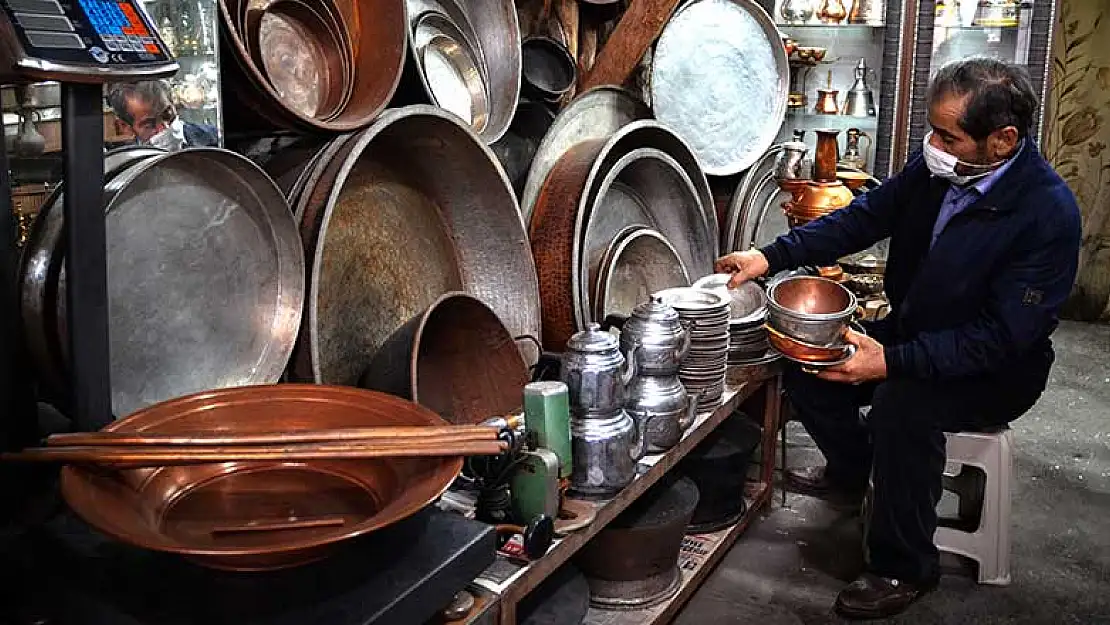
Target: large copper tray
{"type": "Point", "coordinates": [181, 509]}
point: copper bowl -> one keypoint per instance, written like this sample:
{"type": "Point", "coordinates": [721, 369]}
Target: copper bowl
{"type": "Point", "coordinates": [376, 31]}
{"type": "Point", "coordinates": [853, 179]}
{"type": "Point", "coordinates": [198, 511]}
{"type": "Point", "coordinates": [805, 352]}
{"type": "Point", "coordinates": [810, 309]}
{"type": "Point", "coordinates": [455, 358]}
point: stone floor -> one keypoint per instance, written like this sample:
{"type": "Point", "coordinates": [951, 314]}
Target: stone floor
{"type": "Point", "coordinates": [789, 567]}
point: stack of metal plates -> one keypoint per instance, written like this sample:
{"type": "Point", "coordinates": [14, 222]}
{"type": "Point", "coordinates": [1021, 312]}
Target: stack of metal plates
{"type": "Point", "coordinates": [703, 370]}
{"type": "Point", "coordinates": [747, 344]}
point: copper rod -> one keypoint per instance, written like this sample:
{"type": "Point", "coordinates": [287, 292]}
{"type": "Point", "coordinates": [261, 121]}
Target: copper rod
{"type": "Point", "coordinates": [280, 525]}
{"type": "Point", "coordinates": [186, 455]}
{"type": "Point", "coordinates": [456, 432]}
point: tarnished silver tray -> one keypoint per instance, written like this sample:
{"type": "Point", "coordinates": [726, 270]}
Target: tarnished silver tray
{"type": "Point", "coordinates": [205, 277]}
{"type": "Point", "coordinates": [40, 265]}
{"type": "Point", "coordinates": [647, 187]}
{"type": "Point", "coordinates": [720, 77]}
{"type": "Point", "coordinates": [703, 244]}
{"type": "Point", "coordinates": [595, 114]}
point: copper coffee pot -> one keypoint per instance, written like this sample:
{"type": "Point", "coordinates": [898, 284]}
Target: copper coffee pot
{"type": "Point", "coordinates": [825, 193]}
{"type": "Point", "coordinates": [826, 99]}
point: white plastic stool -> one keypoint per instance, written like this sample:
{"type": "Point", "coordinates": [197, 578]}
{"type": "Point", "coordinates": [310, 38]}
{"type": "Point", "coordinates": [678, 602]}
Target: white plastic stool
{"type": "Point", "coordinates": [989, 544]}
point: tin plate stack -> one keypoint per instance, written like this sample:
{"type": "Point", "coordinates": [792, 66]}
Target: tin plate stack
{"type": "Point", "coordinates": [748, 343]}
{"type": "Point", "coordinates": [703, 370]}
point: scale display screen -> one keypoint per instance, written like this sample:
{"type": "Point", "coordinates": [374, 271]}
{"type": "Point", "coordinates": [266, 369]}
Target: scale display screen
{"type": "Point", "coordinates": [94, 37]}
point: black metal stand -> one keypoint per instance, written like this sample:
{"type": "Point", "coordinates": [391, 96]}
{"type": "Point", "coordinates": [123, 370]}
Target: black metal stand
{"type": "Point", "coordinates": [86, 258]}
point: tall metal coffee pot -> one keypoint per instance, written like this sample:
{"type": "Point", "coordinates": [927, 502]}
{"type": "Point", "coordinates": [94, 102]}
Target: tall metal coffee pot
{"type": "Point", "coordinates": [606, 443]}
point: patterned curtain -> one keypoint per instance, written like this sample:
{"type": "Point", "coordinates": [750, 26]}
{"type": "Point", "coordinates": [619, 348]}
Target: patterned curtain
{"type": "Point", "coordinates": [1077, 139]}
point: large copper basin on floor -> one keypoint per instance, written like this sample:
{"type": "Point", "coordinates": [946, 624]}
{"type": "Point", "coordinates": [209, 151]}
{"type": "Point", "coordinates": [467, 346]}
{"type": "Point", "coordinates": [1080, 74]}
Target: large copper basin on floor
{"type": "Point", "coordinates": [212, 513]}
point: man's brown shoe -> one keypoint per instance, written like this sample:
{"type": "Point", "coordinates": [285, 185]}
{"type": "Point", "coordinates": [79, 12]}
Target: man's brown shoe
{"type": "Point", "coordinates": [812, 481]}
{"type": "Point", "coordinates": [873, 597]}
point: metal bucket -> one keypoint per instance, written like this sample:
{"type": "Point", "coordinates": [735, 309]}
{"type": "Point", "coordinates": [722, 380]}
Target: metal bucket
{"type": "Point", "coordinates": [456, 358]}
{"type": "Point", "coordinates": [403, 212]}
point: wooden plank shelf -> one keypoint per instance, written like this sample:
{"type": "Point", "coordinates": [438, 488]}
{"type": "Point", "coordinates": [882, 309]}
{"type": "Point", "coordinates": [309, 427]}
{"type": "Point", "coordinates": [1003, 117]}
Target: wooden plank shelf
{"type": "Point", "coordinates": [513, 582]}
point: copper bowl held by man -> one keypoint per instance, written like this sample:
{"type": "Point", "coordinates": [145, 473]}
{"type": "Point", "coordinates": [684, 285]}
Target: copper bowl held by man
{"type": "Point", "coordinates": [253, 516]}
{"type": "Point", "coordinates": [800, 351]}
{"type": "Point", "coordinates": [810, 309]}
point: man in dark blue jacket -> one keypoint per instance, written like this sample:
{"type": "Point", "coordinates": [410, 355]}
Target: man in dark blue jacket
{"type": "Point", "coordinates": [983, 252]}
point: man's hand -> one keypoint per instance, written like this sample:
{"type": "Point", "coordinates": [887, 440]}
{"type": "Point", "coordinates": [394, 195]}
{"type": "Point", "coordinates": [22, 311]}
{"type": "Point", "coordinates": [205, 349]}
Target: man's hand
{"type": "Point", "coordinates": [743, 266]}
{"type": "Point", "coordinates": [866, 365]}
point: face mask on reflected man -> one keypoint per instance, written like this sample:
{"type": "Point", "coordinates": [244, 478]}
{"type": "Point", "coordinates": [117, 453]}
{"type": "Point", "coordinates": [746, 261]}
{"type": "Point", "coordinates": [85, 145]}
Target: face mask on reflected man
{"type": "Point", "coordinates": [171, 138]}
{"type": "Point", "coordinates": [943, 165]}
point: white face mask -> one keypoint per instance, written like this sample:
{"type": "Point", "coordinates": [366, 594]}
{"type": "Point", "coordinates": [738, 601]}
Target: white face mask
{"type": "Point", "coordinates": [943, 165]}
{"type": "Point", "coordinates": [171, 138]}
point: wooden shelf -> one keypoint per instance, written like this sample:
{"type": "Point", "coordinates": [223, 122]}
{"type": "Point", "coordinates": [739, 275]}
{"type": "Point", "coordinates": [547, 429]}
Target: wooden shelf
{"type": "Point", "coordinates": [700, 555]}
{"type": "Point", "coordinates": [514, 582]}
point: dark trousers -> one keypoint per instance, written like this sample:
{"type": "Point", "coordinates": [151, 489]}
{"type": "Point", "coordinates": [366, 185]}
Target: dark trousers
{"type": "Point", "coordinates": [901, 446]}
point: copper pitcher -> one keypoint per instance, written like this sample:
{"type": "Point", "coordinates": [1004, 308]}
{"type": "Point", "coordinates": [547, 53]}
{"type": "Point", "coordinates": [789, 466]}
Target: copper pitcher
{"type": "Point", "coordinates": [825, 193]}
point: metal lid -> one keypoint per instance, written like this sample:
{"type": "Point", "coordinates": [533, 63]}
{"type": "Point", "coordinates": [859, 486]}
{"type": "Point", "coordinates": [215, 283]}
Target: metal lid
{"type": "Point", "coordinates": [592, 340]}
{"type": "Point", "coordinates": [655, 310]}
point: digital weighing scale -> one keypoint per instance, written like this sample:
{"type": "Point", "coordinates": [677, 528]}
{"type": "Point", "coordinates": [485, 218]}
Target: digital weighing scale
{"type": "Point", "coordinates": [82, 44]}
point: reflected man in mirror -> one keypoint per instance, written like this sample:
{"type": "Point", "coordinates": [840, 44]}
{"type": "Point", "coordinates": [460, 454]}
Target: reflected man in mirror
{"type": "Point", "coordinates": [984, 246]}
{"type": "Point", "coordinates": [147, 108]}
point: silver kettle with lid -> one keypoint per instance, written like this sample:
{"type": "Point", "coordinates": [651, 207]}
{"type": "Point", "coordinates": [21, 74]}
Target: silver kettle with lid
{"type": "Point", "coordinates": [596, 372]}
{"type": "Point", "coordinates": [659, 340]}
{"type": "Point", "coordinates": [656, 338]}
{"type": "Point", "coordinates": [606, 443]}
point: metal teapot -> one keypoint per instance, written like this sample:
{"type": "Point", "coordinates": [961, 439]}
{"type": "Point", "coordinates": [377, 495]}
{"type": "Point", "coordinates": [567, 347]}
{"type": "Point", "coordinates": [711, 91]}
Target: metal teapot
{"type": "Point", "coordinates": [662, 408]}
{"type": "Point", "coordinates": [595, 372]}
{"type": "Point", "coordinates": [655, 338]}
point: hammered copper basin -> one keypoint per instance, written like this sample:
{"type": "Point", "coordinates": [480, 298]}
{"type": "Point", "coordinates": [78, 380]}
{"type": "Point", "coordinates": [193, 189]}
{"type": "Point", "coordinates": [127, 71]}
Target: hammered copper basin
{"type": "Point", "coordinates": [212, 513]}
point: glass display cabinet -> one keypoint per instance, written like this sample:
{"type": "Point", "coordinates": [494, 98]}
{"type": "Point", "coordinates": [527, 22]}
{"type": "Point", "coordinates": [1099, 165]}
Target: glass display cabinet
{"type": "Point", "coordinates": [841, 73]}
{"type": "Point", "coordinates": [32, 113]}
{"type": "Point", "coordinates": [1016, 31]}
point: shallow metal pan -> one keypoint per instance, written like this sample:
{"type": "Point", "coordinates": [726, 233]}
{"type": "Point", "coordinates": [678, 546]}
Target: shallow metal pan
{"type": "Point", "coordinates": [492, 30]}
{"type": "Point", "coordinates": [646, 182]}
{"type": "Point", "coordinates": [595, 114]}
{"type": "Point", "coordinates": [205, 277]}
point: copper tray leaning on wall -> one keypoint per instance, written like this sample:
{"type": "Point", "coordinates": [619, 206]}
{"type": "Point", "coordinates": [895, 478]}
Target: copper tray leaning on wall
{"type": "Point", "coordinates": [378, 40]}
{"type": "Point", "coordinates": [455, 358]}
{"type": "Point", "coordinates": [564, 212]}
{"type": "Point", "coordinates": [182, 509]}
{"type": "Point", "coordinates": [411, 208]}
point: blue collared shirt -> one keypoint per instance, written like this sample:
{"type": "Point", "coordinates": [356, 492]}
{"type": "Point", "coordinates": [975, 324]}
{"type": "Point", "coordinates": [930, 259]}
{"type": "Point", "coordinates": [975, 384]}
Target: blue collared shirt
{"type": "Point", "coordinates": [959, 198]}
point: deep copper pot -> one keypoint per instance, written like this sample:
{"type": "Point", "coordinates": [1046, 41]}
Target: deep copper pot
{"type": "Point", "coordinates": [456, 358]}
